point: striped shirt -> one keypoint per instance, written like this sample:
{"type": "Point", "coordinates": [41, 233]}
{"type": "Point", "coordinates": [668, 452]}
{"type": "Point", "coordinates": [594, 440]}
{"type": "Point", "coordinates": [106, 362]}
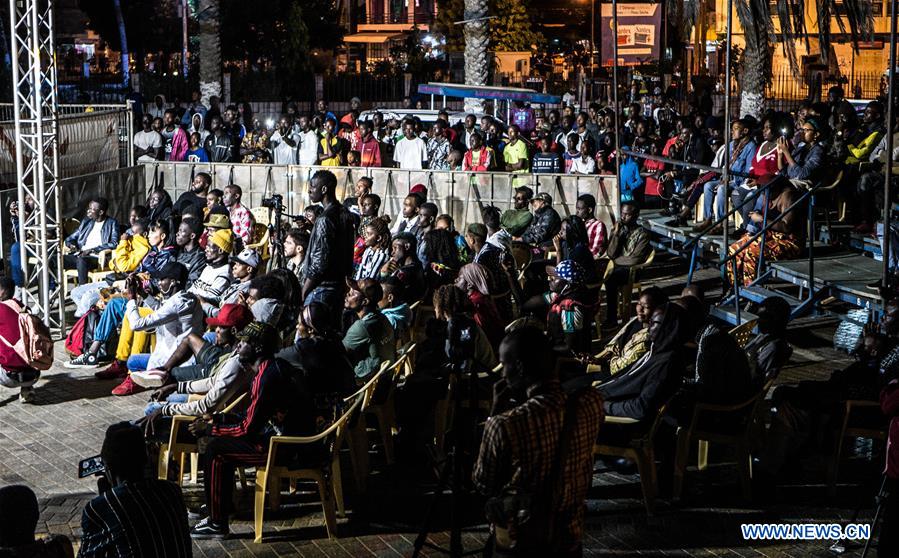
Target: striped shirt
{"type": "Point", "coordinates": [373, 259]}
{"type": "Point", "coordinates": [596, 237]}
{"type": "Point", "coordinates": [136, 519]}
{"type": "Point", "coordinates": [519, 447]}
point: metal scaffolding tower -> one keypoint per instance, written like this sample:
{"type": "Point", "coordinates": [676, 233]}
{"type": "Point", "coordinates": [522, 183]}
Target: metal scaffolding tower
{"type": "Point", "coordinates": [33, 56]}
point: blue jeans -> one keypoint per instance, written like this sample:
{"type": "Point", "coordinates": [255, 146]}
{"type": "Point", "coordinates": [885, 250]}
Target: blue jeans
{"type": "Point", "coordinates": [138, 362]}
{"type": "Point", "coordinates": [15, 264]}
{"type": "Point", "coordinates": [173, 398]}
{"type": "Point", "coordinates": [713, 197]}
{"type": "Point", "coordinates": [209, 337]}
{"type": "Point", "coordinates": [112, 316]}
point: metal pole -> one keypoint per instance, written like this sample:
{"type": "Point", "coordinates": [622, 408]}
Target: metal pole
{"type": "Point", "coordinates": [615, 95]}
{"type": "Point", "coordinates": [592, 41]}
{"type": "Point", "coordinates": [725, 176]}
{"type": "Point", "coordinates": [888, 175]}
{"type": "Point", "coordinates": [185, 9]}
{"type": "Point", "coordinates": [130, 146]}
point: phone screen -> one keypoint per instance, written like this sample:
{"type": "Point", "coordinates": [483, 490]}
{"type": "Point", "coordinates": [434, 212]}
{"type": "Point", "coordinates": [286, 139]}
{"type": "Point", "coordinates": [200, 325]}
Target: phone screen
{"type": "Point", "coordinates": [90, 466]}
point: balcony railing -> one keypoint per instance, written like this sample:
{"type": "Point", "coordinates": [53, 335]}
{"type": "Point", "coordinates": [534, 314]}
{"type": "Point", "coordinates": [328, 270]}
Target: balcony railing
{"type": "Point", "coordinates": [420, 17]}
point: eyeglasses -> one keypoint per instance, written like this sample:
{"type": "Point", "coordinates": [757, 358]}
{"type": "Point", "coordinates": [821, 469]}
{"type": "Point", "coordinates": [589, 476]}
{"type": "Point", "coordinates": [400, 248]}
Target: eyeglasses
{"type": "Point", "coordinates": [519, 198]}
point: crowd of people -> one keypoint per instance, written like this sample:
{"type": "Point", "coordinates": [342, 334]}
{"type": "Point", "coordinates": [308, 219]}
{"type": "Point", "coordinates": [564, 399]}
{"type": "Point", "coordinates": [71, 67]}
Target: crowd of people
{"type": "Point", "coordinates": [180, 300]}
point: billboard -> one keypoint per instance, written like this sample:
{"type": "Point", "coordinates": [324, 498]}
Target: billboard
{"type": "Point", "coordinates": [639, 34]}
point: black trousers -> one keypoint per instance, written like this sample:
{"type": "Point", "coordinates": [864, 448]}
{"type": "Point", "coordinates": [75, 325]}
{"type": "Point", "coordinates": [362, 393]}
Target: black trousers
{"type": "Point", "coordinates": [223, 455]}
{"type": "Point", "coordinates": [83, 264]}
{"type": "Point", "coordinates": [618, 277]}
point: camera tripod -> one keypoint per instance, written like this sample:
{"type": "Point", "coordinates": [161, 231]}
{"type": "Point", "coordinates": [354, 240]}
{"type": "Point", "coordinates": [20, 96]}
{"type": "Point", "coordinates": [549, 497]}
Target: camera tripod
{"type": "Point", "coordinates": [461, 439]}
{"type": "Point", "coordinates": [275, 233]}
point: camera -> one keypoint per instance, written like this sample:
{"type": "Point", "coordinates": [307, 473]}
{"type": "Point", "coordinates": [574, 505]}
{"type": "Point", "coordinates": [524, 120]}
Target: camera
{"type": "Point", "coordinates": [276, 202]}
{"type": "Point", "coordinates": [459, 340]}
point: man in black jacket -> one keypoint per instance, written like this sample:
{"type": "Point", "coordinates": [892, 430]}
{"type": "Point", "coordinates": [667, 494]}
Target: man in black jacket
{"type": "Point", "coordinates": [97, 232]}
{"type": "Point", "coordinates": [329, 257]}
{"type": "Point", "coordinates": [218, 144]}
{"type": "Point", "coordinates": [546, 223]}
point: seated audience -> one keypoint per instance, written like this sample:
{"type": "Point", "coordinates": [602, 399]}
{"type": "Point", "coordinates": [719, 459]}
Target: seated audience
{"type": "Point", "coordinates": [96, 232]}
{"type": "Point", "coordinates": [596, 230]}
{"type": "Point", "coordinates": [377, 240]}
{"type": "Point", "coordinates": [632, 340]}
{"type": "Point", "coordinates": [405, 266]}
{"type": "Point", "coordinates": [19, 514]}
{"type": "Point", "coordinates": [546, 223]}
{"type": "Point", "coordinates": [518, 219]}
{"type": "Point", "coordinates": [628, 246]}
{"type": "Point", "coordinates": [370, 340]}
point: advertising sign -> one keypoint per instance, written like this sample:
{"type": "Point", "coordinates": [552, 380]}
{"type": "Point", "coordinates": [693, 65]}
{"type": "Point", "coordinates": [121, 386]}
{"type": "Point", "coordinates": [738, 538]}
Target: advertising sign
{"type": "Point", "coordinates": [639, 37]}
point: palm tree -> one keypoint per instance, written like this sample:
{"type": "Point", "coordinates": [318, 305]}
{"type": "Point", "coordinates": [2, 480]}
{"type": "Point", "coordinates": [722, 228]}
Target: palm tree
{"type": "Point", "coordinates": [477, 40]}
{"type": "Point", "coordinates": [758, 22]}
{"type": "Point", "coordinates": [210, 50]}
{"type": "Point", "coordinates": [123, 38]}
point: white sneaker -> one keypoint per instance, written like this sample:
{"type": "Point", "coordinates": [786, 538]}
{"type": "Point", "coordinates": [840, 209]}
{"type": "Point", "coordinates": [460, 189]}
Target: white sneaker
{"type": "Point", "coordinates": [149, 378]}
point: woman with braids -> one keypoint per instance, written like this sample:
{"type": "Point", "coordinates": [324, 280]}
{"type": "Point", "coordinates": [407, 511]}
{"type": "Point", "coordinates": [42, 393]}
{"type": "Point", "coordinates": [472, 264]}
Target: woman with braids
{"type": "Point", "coordinates": [442, 258]}
{"type": "Point", "coordinates": [370, 206]}
{"type": "Point", "coordinates": [377, 240]}
{"type": "Point", "coordinates": [474, 279]}
{"type": "Point", "coordinates": [418, 395]}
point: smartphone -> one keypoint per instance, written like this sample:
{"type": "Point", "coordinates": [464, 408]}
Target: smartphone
{"type": "Point", "coordinates": [90, 467]}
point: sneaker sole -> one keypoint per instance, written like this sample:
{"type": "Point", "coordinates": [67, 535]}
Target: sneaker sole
{"type": "Point", "coordinates": [147, 381]}
{"type": "Point", "coordinates": [209, 536]}
{"type": "Point", "coordinates": [72, 365]}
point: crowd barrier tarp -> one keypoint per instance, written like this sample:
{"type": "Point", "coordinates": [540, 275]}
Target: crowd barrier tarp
{"type": "Point", "coordinates": [459, 194]}
{"type": "Point", "coordinates": [88, 143]}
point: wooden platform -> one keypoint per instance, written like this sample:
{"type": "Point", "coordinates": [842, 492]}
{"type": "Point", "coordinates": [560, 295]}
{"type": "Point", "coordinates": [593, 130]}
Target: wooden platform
{"type": "Point", "coordinates": [845, 275]}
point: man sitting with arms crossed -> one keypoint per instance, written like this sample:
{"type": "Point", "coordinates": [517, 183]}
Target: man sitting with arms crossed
{"type": "Point", "coordinates": [538, 441]}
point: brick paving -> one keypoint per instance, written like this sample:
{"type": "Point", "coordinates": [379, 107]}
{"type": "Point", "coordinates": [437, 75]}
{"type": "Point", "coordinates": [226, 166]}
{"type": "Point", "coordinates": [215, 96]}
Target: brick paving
{"type": "Point", "coordinates": [41, 443]}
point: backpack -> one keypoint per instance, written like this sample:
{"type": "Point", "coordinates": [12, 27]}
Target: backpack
{"type": "Point", "coordinates": [34, 346]}
{"type": "Point", "coordinates": [75, 338]}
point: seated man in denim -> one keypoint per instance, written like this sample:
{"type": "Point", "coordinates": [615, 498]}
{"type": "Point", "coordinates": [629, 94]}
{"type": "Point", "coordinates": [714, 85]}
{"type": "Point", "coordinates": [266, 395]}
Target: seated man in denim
{"type": "Point", "coordinates": [97, 232]}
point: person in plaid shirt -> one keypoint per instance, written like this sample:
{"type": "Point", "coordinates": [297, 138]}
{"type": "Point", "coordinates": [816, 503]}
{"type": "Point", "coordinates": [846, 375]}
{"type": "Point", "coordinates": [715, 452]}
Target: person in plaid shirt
{"type": "Point", "coordinates": [597, 238]}
{"type": "Point", "coordinates": [242, 222]}
{"type": "Point", "coordinates": [521, 442]}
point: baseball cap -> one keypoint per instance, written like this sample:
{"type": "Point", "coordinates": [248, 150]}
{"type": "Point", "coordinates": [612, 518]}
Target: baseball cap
{"type": "Point", "coordinates": [369, 288]}
{"type": "Point", "coordinates": [222, 239]}
{"type": "Point", "coordinates": [217, 221]}
{"type": "Point", "coordinates": [567, 270]}
{"type": "Point", "coordinates": [261, 335]}
{"type": "Point", "coordinates": [171, 270]}
{"type": "Point", "coordinates": [249, 257]}
{"type": "Point", "coordinates": [419, 190]}
{"type": "Point", "coordinates": [231, 315]}
{"type": "Point", "coordinates": [477, 229]}
{"type": "Point", "coordinates": [544, 197]}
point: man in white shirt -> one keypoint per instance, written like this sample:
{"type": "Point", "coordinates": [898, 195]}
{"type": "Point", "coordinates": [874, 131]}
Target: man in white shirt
{"type": "Point", "coordinates": [308, 139]}
{"type": "Point", "coordinates": [585, 164]}
{"type": "Point", "coordinates": [410, 153]}
{"type": "Point", "coordinates": [283, 143]}
{"type": "Point", "coordinates": [97, 232]}
{"type": "Point", "coordinates": [147, 142]}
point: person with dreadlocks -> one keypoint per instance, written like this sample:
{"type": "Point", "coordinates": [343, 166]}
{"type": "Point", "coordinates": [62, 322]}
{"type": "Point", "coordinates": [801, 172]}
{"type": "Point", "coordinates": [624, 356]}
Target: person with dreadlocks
{"type": "Point", "coordinates": [376, 235]}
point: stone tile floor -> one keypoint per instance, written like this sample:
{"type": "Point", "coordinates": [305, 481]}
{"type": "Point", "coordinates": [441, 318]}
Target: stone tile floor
{"type": "Point", "coordinates": [41, 444]}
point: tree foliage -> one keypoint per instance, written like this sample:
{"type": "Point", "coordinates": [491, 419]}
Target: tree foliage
{"type": "Point", "coordinates": [148, 24]}
{"type": "Point", "coordinates": [448, 12]}
{"type": "Point", "coordinates": [511, 28]}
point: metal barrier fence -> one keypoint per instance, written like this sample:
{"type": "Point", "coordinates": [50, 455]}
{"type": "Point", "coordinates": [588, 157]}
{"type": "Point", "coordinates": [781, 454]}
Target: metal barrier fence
{"type": "Point", "coordinates": [459, 194]}
{"type": "Point", "coordinates": [124, 188]}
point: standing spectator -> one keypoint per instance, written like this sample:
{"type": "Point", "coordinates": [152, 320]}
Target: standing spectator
{"type": "Point", "coordinates": [322, 112]}
{"type": "Point", "coordinates": [329, 260]}
{"type": "Point", "coordinates": [628, 246]}
{"type": "Point", "coordinates": [194, 200]}
{"type": "Point", "coordinates": [197, 125]}
{"type": "Point", "coordinates": [283, 143]}
{"type": "Point", "coordinates": [175, 138]}
{"type": "Point", "coordinates": [352, 116]}
{"type": "Point", "coordinates": [196, 152]}
{"type": "Point", "coordinates": [523, 117]}
{"type": "Point", "coordinates": [309, 143]}
{"type": "Point", "coordinates": [194, 108]}
{"type": "Point", "coordinates": [553, 462]}
{"type": "Point", "coordinates": [97, 232]}
{"type": "Point", "coordinates": [19, 515]}
{"type": "Point", "coordinates": [584, 163]}
{"type": "Point", "coordinates": [147, 142]}
{"type": "Point", "coordinates": [546, 161]}
{"type": "Point", "coordinates": [410, 152]}
{"type": "Point", "coordinates": [241, 218]}
{"type": "Point", "coordinates": [330, 147]}
{"type": "Point", "coordinates": [370, 341]}
{"type": "Point", "coordinates": [254, 145]}
{"type": "Point", "coordinates": [479, 157]}
{"type": "Point", "coordinates": [438, 146]}
{"type": "Point", "coordinates": [369, 147]}
{"type": "Point", "coordinates": [116, 523]}
{"type": "Point", "coordinates": [515, 154]}
{"type": "Point", "coordinates": [596, 229]}
{"type": "Point", "coordinates": [219, 146]}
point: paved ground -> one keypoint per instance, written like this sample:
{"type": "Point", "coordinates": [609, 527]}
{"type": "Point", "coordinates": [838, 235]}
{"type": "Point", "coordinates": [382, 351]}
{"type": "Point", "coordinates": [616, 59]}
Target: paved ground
{"type": "Point", "coordinates": [42, 444]}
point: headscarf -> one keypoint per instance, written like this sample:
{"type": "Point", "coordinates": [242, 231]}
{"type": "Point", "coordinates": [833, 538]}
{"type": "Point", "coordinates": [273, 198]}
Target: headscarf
{"type": "Point", "coordinates": [474, 277]}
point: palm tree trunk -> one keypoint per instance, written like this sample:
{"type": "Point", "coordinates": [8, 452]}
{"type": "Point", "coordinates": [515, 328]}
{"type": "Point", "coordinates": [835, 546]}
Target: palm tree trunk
{"type": "Point", "coordinates": [756, 23]}
{"type": "Point", "coordinates": [477, 39]}
{"type": "Point", "coordinates": [123, 39]}
{"type": "Point", "coordinates": [210, 50]}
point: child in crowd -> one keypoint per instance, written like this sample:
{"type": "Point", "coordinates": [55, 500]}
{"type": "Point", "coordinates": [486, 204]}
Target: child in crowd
{"type": "Point", "coordinates": [196, 153]}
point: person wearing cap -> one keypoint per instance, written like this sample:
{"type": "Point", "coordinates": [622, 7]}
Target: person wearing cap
{"type": "Point", "coordinates": [214, 278]}
{"type": "Point", "coordinates": [244, 268]}
{"type": "Point", "coordinates": [569, 316]}
{"type": "Point", "coordinates": [276, 404]}
{"type": "Point", "coordinates": [207, 357]}
{"type": "Point", "coordinates": [546, 223]}
{"type": "Point", "coordinates": [371, 340]}
{"type": "Point", "coordinates": [216, 220]}
{"type": "Point", "coordinates": [174, 316]}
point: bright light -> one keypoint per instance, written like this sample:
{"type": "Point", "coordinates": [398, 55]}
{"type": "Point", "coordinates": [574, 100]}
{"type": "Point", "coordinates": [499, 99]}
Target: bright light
{"type": "Point", "coordinates": [270, 123]}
